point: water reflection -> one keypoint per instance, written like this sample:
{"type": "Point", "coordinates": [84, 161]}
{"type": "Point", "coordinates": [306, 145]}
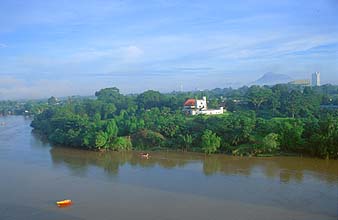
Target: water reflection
{"type": "Point", "coordinates": [284, 169]}
{"type": "Point", "coordinates": [110, 161]}
{"type": "Point", "coordinates": [39, 139]}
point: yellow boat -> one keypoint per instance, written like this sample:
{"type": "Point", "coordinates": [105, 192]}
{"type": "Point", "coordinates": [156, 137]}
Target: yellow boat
{"type": "Point", "coordinates": [62, 203]}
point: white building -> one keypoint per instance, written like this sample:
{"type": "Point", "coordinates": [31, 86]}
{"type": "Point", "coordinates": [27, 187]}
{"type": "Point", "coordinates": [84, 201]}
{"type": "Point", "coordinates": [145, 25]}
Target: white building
{"type": "Point", "coordinates": [316, 79]}
{"type": "Point", "coordinates": [199, 106]}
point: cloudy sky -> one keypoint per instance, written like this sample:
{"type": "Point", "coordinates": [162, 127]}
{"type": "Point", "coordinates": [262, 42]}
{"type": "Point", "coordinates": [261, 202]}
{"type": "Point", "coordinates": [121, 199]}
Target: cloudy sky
{"type": "Point", "coordinates": [77, 47]}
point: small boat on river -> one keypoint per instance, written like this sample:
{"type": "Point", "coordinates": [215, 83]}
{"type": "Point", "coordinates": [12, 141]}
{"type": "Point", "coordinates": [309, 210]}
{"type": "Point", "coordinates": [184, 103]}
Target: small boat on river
{"type": "Point", "coordinates": [144, 155]}
{"type": "Point", "coordinates": [64, 203]}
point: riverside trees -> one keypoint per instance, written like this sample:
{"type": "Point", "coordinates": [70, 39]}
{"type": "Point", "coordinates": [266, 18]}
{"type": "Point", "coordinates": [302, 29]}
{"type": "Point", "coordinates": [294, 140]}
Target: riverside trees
{"type": "Point", "coordinates": [260, 120]}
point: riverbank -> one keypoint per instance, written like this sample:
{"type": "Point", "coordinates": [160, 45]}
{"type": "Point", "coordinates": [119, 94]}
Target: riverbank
{"type": "Point", "coordinates": [44, 138]}
{"type": "Point", "coordinates": [180, 149]}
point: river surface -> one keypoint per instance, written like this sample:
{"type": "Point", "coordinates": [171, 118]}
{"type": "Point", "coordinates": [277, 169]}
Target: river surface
{"type": "Point", "coordinates": [33, 175]}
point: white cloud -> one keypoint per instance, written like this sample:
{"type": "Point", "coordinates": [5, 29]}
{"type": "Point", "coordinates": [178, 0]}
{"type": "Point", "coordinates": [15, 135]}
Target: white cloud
{"type": "Point", "coordinates": [89, 55]}
{"type": "Point", "coordinates": [3, 45]}
{"type": "Point", "coordinates": [131, 53]}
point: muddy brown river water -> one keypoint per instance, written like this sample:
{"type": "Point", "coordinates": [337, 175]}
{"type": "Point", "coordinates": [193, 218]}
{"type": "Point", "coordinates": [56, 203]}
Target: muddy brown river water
{"type": "Point", "coordinates": [33, 175]}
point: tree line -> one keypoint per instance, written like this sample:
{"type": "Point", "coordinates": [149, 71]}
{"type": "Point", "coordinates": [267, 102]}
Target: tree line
{"type": "Point", "coordinates": [259, 121]}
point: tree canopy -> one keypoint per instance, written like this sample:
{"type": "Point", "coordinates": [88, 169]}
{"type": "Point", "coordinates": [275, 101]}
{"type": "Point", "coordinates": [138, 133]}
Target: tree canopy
{"type": "Point", "coordinates": [259, 120]}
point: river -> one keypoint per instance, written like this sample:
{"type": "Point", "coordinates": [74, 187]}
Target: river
{"type": "Point", "coordinates": [166, 186]}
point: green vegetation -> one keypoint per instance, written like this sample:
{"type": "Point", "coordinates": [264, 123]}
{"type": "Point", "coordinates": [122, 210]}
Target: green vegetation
{"type": "Point", "coordinates": [22, 108]}
{"type": "Point", "coordinates": [210, 142]}
{"type": "Point", "coordinates": [260, 121]}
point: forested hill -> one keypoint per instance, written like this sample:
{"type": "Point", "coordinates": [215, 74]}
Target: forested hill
{"type": "Point", "coordinates": [259, 120]}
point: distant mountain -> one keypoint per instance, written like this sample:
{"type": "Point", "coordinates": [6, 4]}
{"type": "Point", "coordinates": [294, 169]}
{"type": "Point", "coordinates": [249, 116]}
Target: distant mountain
{"type": "Point", "coordinates": [272, 79]}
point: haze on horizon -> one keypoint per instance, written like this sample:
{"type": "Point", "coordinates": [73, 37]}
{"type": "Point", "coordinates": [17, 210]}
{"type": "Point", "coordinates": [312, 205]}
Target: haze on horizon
{"type": "Point", "coordinates": [64, 48]}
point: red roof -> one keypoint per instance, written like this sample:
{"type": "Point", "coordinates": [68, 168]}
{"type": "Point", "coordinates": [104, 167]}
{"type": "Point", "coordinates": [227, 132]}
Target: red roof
{"type": "Point", "coordinates": [190, 102]}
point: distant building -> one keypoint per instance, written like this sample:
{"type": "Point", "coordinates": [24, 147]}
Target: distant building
{"type": "Point", "coordinates": [199, 106]}
{"type": "Point", "coordinates": [316, 79]}
{"type": "Point", "coordinates": [301, 82]}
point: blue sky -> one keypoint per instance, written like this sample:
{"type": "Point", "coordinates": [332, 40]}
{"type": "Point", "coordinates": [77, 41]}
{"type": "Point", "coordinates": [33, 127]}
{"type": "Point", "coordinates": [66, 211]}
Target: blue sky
{"type": "Point", "coordinates": [77, 47]}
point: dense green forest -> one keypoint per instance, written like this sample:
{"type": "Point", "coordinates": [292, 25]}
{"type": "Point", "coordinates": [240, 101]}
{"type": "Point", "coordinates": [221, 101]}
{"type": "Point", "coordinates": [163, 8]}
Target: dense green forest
{"type": "Point", "coordinates": [259, 121]}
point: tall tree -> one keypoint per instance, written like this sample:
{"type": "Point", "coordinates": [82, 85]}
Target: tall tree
{"type": "Point", "coordinates": [210, 142]}
{"type": "Point", "coordinates": [111, 130]}
{"type": "Point", "coordinates": [294, 103]}
{"type": "Point", "coordinates": [186, 141]}
{"type": "Point", "coordinates": [52, 101]}
{"type": "Point", "coordinates": [258, 95]}
{"type": "Point", "coordinates": [149, 99]}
